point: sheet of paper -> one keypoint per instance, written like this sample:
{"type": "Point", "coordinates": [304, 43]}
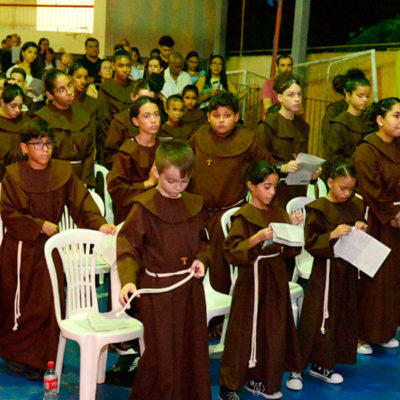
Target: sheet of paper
{"type": "Point", "coordinates": [106, 322]}
{"type": "Point", "coordinates": [361, 250]}
{"type": "Point", "coordinates": [37, 86]}
{"type": "Point", "coordinates": [309, 164]}
{"type": "Point", "coordinates": [107, 248]}
{"type": "Point", "coordinates": [15, 53]}
{"type": "Point", "coordinates": [287, 234]}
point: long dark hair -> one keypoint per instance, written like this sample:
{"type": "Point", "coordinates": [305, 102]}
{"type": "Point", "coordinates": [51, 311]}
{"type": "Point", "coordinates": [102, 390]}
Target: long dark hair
{"type": "Point", "coordinates": [223, 79]}
{"type": "Point", "coordinates": [35, 70]}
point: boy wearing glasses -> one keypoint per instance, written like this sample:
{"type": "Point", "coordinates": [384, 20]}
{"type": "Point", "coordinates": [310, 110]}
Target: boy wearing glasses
{"type": "Point", "coordinates": [33, 196]}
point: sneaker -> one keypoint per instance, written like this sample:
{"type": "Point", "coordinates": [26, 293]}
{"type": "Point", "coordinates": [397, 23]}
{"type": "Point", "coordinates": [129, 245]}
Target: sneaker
{"type": "Point", "coordinates": [257, 388]}
{"type": "Point", "coordinates": [391, 344]}
{"type": "Point", "coordinates": [295, 381]}
{"type": "Point", "coordinates": [226, 394]}
{"type": "Point", "coordinates": [364, 349]}
{"type": "Point", "coordinates": [327, 375]}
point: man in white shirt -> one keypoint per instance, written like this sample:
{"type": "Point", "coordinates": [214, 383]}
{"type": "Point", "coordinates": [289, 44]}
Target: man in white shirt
{"type": "Point", "coordinates": [175, 79]}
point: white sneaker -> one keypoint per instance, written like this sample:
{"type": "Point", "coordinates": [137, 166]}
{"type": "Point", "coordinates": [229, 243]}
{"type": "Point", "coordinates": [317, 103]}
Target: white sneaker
{"type": "Point", "coordinates": [364, 349]}
{"type": "Point", "coordinates": [327, 375]}
{"type": "Point", "coordinates": [295, 381]}
{"type": "Point", "coordinates": [391, 344]}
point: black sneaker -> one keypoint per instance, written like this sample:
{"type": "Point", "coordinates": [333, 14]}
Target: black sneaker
{"type": "Point", "coordinates": [257, 388]}
{"type": "Point", "coordinates": [226, 394]}
{"type": "Point", "coordinates": [327, 375]}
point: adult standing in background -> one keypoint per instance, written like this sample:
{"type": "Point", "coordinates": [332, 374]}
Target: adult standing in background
{"type": "Point", "coordinates": [166, 45]}
{"type": "Point", "coordinates": [91, 60]}
{"type": "Point", "coordinates": [268, 95]}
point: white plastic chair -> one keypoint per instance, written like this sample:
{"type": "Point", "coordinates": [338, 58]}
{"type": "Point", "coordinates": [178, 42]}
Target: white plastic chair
{"type": "Point", "coordinates": [109, 213]}
{"type": "Point", "coordinates": [304, 261]}
{"type": "Point", "coordinates": [74, 247]}
{"type": "Point", "coordinates": [322, 190]}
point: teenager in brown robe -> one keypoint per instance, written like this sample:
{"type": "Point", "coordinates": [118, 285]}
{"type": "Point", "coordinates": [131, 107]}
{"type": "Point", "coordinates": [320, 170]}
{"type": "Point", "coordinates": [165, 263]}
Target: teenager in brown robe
{"type": "Point", "coordinates": [193, 116]}
{"type": "Point", "coordinates": [348, 129]}
{"type": "Point", "coordinates": [285, 135]}
{"type": "Point", "coordinates": [377, 161]}
{"type": "Point", "coordinates": [11, 122]}
{"type": "Point", "coordinates": [132, 173]}
{"type": "Point", "coordinates": [115, 94]}
{"type": "Point", "coordinates": [164, 234]}
{"type": "Point", "coordinates": [222, 151]}
{"type": "Point", "coordinates": [122, 127]}
{"type": "Point", "coordinates": [327, 341]}
{"type": "Point", "coordinates": [263, 360]}
{"type": "Point", "coordinates": [74, 129]}
{"type": "Point", "coordinates": [33, 197]}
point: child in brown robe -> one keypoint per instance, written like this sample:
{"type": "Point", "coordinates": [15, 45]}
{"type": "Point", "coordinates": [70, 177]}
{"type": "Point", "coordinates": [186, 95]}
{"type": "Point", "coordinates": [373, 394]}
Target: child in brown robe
{"type": "Point", "coordinates": [74, 128]}
{"type": "Point", "coordinates": [223, 149]}
{"type": "Point", "coordinates": [347, 130]}
{"type": "Point", "coordinates": [328, 327]}
{"type": "Point", "coordinates": [377, 161]}
{"type": "Point", "coordinates": [193, 116]}
{"type": "Point", "coordinates": [33, 197]}
{"type": "Point", "coordinates": [160, 243]}
{"type": "Point", "coordinates": [261, 359]}
{"type": "Point", "coordinates": [132, 171]}
{"type": "Point", "coordinates": [174, 127]}
{"type": "Point", "coordinates": [122, 126]}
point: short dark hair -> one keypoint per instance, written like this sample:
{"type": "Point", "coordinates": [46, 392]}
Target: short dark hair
{"type": "Point", "coordinates": [283, 82]}
{"type": "Point", "coordinates": [174, 97]}
{"type": "Point", "coordinates": [10, 92]}
{"type": "Point", "coordinates": [337, 167]}
{"type": "Point", "coordinates": [138, 85]}
{"type": "Point", "coordinates": [18, 70]}
{"type": "Point", "coordinates": [225, 99]}
{"type": "Point", "coordinates": [156, 82]}
{"type": "Point", "coordinates": [49, 78]}
{"type": "Point", "coordinates": [166, 41]}
{"type": "Point", "coordinates": [175, 153]}
{"type": "Point", "coordinates": [73, 68]}
{"type": "Point", "coordinates": [91, 39]}
{"type": "Point", "coordinates": [257, 171]}
{"type": "Point", "coordinates": [138, 103]}
{"type": "Point", "coordinates": [282, 57]}
{"type": "Point", "coordinates": [35, 130]}
{"type": "Point", "coordinates": [190, 88]}
{"type": "Point", "coordinates": [382, 107]}
{"type": "Point", "coordinates": [121, 53]}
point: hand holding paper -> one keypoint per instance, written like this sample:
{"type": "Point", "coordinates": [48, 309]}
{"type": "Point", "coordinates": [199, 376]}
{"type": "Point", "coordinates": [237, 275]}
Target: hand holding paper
{"type": "Point", "coordinates": [309, 164]}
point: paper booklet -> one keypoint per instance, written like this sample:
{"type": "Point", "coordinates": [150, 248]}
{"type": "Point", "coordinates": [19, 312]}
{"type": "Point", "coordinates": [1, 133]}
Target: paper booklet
{"type": "Point", "coordinates": [287, 234]}
{"type": "Point", "coordinates": [362, 250]}
{"type": "Point", "coordinates": [309, 164]}
{"type": "Point", "coordinates": [107, 322]}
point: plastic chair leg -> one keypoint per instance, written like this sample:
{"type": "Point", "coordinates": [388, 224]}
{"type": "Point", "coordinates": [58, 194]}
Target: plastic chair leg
{"type": "Point", "coordinates": [88, 370]}
{"type": "Point", "coordinates": [101, 374]}
{"type": "Point", "coordinates": [60, 358]}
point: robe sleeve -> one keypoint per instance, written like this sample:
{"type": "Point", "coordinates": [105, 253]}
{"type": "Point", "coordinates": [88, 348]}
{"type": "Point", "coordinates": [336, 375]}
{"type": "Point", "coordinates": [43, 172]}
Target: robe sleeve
{"type": "Point", "coordinates": [130, 241]}
{"type": "Point", "coordinates": [334, 140]}
{"type": "Point", "coordinates": [15, 212]}
{"type": "Point", "coordinates": [115, 138]}
{"type": "Point", "coordinates": [104, 115]}
{"type": "Point", "coordinates": [120, 180]}
{"type": "Point", "coordinates": [264, 135]}
{"type": "Point", "coordinates": [372, 185]}
{"type": "Point", "coordinates": [81, 205]}
{"type": "Point", "coordinates": [204, 249]}
{"type": "Point", "coordinates": [259, 149]}
{"type": "Point", "coordinates": [316, 236]}
{"type": "Point", "coordinates": [89, 155]}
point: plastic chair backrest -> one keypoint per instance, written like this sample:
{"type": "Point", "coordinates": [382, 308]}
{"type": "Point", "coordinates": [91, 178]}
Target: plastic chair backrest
{"type": "Point", "coordinates": [322, 190]}
{"type": "Point", "coordinates": [79, 261]}
{"type": "Point", "coordinates": [298, 203]}
{"type": "Point", "coordinates": [109, 213]}
{"type": "Point", "coordinates": [67, 222]}
{"type": "Point", "coordinates": [226, 220]}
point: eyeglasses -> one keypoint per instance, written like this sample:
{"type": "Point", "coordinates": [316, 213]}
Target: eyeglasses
{"type": "Point", "coordinates": [40, 145]}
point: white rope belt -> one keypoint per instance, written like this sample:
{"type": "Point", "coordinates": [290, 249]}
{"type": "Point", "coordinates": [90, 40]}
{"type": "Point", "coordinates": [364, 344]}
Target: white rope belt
{"type": "Point", "coordinates": [159, 290]}
{"type": "Point", "coordinates": [253, 352]}
{"type": "Point", "coordinates": [76, 162]}
{"type": "Point", "coordinates": [226, 207]}
{"type": "Point", "coordinates": [325, 311]}
{"type": "Point", "coordinates": [17, 298]}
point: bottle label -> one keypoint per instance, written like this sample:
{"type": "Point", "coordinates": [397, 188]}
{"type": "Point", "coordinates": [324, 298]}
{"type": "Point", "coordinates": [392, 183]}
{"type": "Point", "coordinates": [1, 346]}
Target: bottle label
{"type": "Point", "coordinates": [50, 384]}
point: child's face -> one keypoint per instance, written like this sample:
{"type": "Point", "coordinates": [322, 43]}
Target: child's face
{"type": "Point", "coordinates": [190, 100]}
{"type": "Point", "coordinates": [291, 98]}
{"type": "Point", "coordinates": [62, 93]}
{"type": "Point", "coordinates": [18, 79]}
{"type": "Point", "coordinates": [30, 54]}
{"type": "Point", "coordinates": [216, 66]}
{"type": "Point", "coordinates": [192, 63]}
{"type": "Point", "coordinates": [359, 97]}
{"type": "Point", "coordinates": [175, 110]}
{"type": "Point", "coordinates": [165, 52]}
{"type": "Point", "coordinates": [148, 119]}
{"type": "Point", "coordinates": [122, 68]}
{"type": "Point", "coordinates": [390, 124]}
{"type": "Point", "coordinates": [170, 182]}
{"type": "Point", "coordinates": [222, 120]}
{"type": "Point", "coordinates": [154, 67]}
{"type": "Point", "coordinates": [341, 188]}
{"type": "Point", "coordinates": [39, 152]}
{"type": "Point", "coordinates": [79, 80]}
{"type": "Point", "coordinates": [12, 109]}
{"type": "Point", "coordinates": [106, 70]}
{"type": "Point", "coordinates": [135, 57]}
{"type": "Point", "coordinates": [263, 193]}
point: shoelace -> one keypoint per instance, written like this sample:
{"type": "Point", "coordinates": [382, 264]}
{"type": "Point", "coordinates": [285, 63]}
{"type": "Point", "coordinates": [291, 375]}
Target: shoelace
{"type": "Point", "coordinates": [296, 375]}
{"type": "Point", "coordinates": [258, 388]}
{"type": "Point", "coordinates": [232, 396]}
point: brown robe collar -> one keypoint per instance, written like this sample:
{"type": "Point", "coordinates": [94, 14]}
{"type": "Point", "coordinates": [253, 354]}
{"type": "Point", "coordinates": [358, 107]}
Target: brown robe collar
{"type": "Point", "coordinates": [117, 91]}
{"type": "Point", "coordinates": [125, 119]}
{"type": "Point", "coordinates": [172, 211]}
{"type": "Point", "coordinates": [193, 116]}
{"type": "Point", "coordinates": [13, 125]}
{"type": "Point", "coordinates": [390, 150]}
{"type": "Point", "coordinates": [298, 129]}
{"type": "Point", "coordinates": [134, 149]}
{"type": "Point", "coordinates": [355, 124]}
{"type": "Point", "coordinates": [47, 180]}
{"type": "Point", "coordinates": [238, 142]}
{"type": "Point", "coordinates": [257, 216]}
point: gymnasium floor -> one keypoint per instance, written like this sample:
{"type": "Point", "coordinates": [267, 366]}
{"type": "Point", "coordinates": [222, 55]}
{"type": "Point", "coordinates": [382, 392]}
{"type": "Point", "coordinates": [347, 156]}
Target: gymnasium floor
{"type": "Point", "coordinates": [375, 377]}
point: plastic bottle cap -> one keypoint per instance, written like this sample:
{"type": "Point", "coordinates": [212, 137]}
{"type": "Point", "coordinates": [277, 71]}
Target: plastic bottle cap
{"type": "Point", "coordinates": [50, 364]}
